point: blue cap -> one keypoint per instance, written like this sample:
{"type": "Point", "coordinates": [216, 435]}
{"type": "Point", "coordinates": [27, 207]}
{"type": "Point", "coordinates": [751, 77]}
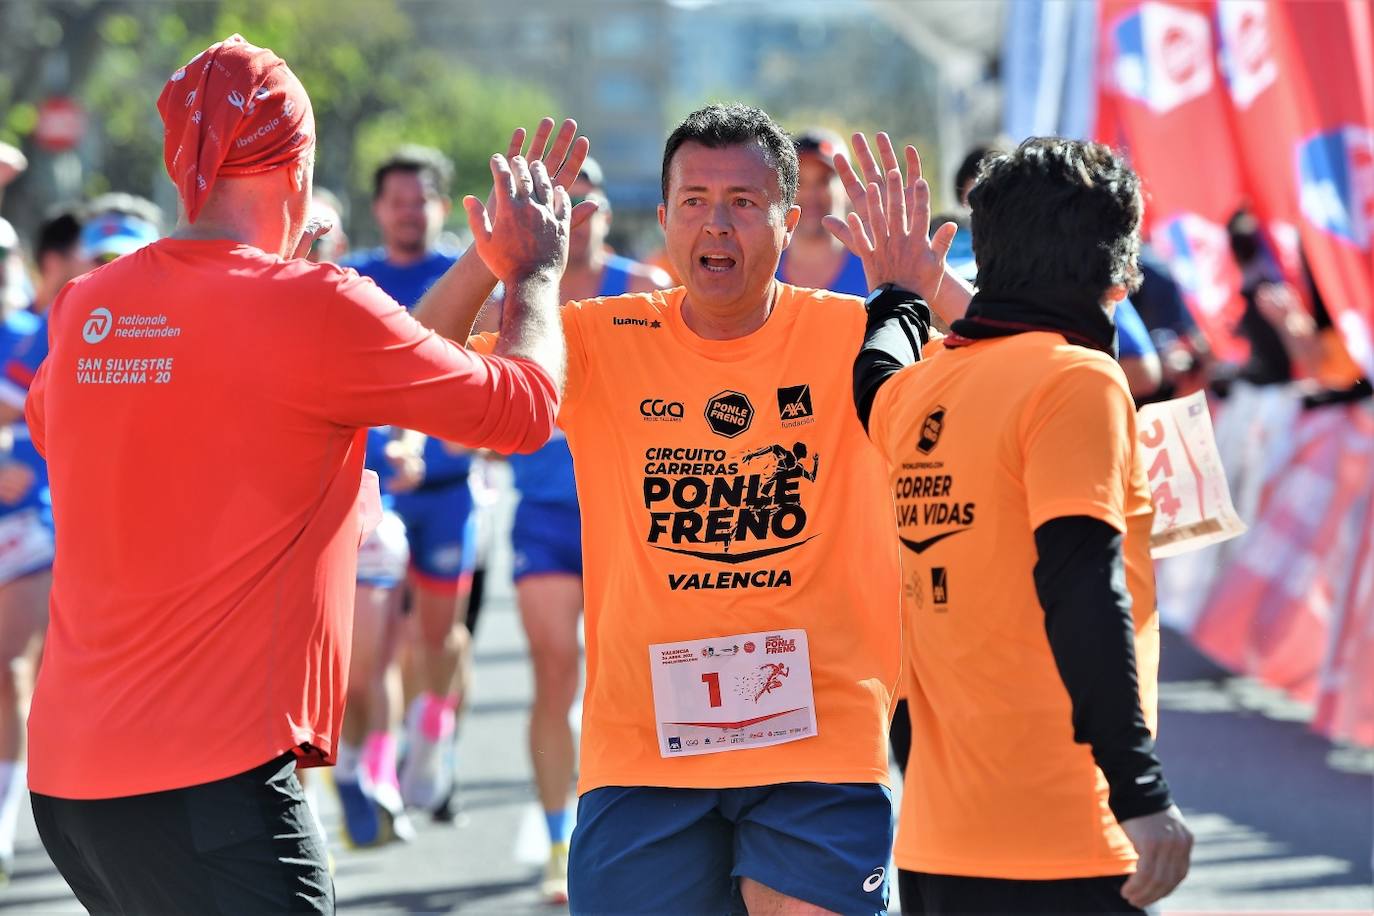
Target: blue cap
{"type": "Point", "coordinates": [116, 234]}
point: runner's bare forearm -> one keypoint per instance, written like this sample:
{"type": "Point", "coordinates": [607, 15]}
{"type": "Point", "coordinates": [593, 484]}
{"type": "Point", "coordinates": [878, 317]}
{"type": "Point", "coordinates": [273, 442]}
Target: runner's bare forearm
{"type": "Point", "coordinates": [531, 325]}
{"type": "Point", "coordinates": [450, 307]}
{"type": "Point", "coordinates": [951, 302]}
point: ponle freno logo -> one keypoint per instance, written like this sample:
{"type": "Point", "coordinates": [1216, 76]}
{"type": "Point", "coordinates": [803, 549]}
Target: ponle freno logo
{"type": "Point", "coordinates": [97, 326]}
{"type": "Point", "coordinates": [729, 414]}
{"type": "Point", "coordinates": [776, 645]}
{"type": "Point", "coordinates": [657, 409]}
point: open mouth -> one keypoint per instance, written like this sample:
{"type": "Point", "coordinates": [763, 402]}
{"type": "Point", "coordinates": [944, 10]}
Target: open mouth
{"type": "Point", "coordinates": [717, 263]}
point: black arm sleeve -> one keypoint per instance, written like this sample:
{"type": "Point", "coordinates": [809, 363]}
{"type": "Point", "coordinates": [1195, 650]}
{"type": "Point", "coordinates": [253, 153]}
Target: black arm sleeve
{"type": "Point", "coordinates": [1081, 580]}
{"type": "Point", "coordinates": [898, 327]}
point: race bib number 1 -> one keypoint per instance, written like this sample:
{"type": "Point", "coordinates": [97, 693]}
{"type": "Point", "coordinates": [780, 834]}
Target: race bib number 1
{"type": "Point", "coordinates": [732, 692]}
{"type": "Point", "coordinates": [1187, 482]}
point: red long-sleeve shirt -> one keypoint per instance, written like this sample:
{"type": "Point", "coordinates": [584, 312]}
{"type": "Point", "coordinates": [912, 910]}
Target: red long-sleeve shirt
{"type": "Point", "coordinates": [203, 412]}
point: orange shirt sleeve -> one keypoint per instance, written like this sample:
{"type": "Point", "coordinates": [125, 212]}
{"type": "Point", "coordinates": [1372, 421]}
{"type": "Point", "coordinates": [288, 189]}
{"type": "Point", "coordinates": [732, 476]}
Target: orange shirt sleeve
{"type": "Point", "coordinates": [380, 366]}
{"type": "Point", "coordinates": [577, 354]}
{"type": "Point", "coordinates": [1077, 441]}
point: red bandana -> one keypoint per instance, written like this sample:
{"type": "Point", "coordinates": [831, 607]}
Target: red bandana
{"type": "Point", "coordinates": [235, 109]}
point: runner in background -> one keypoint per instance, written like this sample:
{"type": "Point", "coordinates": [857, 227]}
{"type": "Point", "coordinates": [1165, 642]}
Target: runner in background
{"type": "Point", "coordinates": [410, 202]}
{"type": "Point", "coordinates": [365, 775]}
{"type": "Point", "coordinates": [26, 538]}
{"type": "Point", "coordinates": [547, 544]}
{"type": "Point", "coordinates": [814, 259]}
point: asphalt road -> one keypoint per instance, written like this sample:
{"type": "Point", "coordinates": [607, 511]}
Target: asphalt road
{"type": "Point", "coordinates": [1285, 822]}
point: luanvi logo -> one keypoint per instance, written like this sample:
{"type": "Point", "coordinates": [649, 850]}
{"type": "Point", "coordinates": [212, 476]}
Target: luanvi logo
{"type": "Point", "coordinates": [794, 405]}
{"type": "Point", "coordinates": [729, 413]}
{"type": "Point", "coordinates": [619, 322]}
{"type": "Point", "coordinates": [931, 427]}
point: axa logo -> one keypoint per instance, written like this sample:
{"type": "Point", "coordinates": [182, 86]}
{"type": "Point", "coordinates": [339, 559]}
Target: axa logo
{"type": "Point", "coordinates": [661, 410]}
{"type": "Point", "coordinates": [1336, 182]}
{"type": "Point", "coordinates": [1247, 54]}
{"type": "Point", "coordinates": [1162, 56]}
{"type": "Point", "coordinates": [1199, 255]}
{"type": "Point", "coordinates": [794, 405]}
{"type": "Point", "coordinates": [98, 325]}
{"type": "Point", "coordinates": [617, 321]}
{"type": "Point", "coordinates": [931, 428]}
{"type": "Point", "coordinates": [729, 413]}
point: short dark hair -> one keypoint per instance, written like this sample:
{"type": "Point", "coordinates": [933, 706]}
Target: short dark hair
{"type": "Point", "coordinates": [968, 169]}
{"type": "Point", "coordinates": [737, 124]}
{"type": "Point", "coordinates": [1057, 214]}
{"type": "Point", "coordinates": [424, 161]}
{"type": "Point", "coordinates": [58, 234]}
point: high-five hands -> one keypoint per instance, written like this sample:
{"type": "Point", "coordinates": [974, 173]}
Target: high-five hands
{"type": "Point", "coordinates": [889, 226]}
{"type": "Point", "coordinates": [523, 227]}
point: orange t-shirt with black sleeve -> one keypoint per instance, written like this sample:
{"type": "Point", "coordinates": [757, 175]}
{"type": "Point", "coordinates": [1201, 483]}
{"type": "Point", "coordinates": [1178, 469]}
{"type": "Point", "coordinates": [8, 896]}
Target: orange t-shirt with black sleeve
{"type": "Point", "coordinates": [985, 443]}
{"type": "Point", "coordinates": [661, 424]}
{"type": "Point", "coordinates": [203, 410]}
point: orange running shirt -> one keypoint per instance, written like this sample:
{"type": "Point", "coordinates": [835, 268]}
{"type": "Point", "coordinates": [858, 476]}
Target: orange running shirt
{"type": "Point", "coordinates": [985, 444]}
{"type": "Point", "coordinates": [660, 422]}
{"type": "Point", "coordinates": [203, 411]}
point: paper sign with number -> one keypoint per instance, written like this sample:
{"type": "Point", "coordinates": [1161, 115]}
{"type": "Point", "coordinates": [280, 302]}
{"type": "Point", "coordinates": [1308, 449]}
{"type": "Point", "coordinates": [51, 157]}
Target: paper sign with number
{"type": "Point", "coordinates": [1187, 481]}
{"type": "Point", "coordinates": [729, 693]}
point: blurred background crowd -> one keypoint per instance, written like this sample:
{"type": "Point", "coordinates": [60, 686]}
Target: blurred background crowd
{"type": "Point", "coordinates": [1250, 121]}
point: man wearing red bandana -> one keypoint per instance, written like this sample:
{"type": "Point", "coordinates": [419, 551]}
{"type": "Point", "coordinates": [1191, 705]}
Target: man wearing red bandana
{"type": "Point", "coordinates": [203, 593]}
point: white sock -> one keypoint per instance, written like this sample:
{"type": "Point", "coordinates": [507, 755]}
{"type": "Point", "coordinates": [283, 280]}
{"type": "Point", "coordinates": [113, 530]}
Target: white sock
{"type": "Point", "coordinates": [348, 768]}
{"type": "Point", "coordinates": [14, 776]}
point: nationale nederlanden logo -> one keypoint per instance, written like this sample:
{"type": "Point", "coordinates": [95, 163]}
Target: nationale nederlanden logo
{"type": "Point", "coordinates": [98, 325]}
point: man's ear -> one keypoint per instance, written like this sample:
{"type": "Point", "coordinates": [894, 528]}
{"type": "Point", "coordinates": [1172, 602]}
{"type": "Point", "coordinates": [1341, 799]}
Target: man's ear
{"type": "Point", "coordinates": [663, 217]}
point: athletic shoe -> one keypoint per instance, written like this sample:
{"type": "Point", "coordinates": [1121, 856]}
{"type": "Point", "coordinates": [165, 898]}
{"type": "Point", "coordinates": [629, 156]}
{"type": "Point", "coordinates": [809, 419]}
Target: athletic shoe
{"type": "Point", "coordinates": [554, 887]}
{"type": "Point", "coordinates": [362, 816]}
{"type": "Point", "coordinates": [426, 772]}
{"type": "Point", "coordinates": [396, 824]}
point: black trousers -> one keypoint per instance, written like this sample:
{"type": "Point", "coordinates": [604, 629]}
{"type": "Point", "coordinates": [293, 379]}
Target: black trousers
{"type": "Point", "coordinates": [946, 895]}
{"type": "Point", "coordinates": [246, 844]}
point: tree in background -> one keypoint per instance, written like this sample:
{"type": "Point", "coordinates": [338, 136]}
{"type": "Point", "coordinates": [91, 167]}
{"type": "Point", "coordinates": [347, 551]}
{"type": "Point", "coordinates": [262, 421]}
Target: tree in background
{"type": "Point", "coordinates": [374, 82]}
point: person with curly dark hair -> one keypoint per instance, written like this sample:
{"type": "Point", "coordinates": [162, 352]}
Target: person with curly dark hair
{"type": "Point", "coordinates": [1032, 636]}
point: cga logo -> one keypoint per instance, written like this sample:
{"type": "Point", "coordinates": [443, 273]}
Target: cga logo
{"type": "Point", "coordinates": [729, 414]}
{"type": "Point", "coordinates": [97, 326]}
{"type": "Point", "coordinates": [1247, 56]}
{"type": "Point", "coordinates": [1163, 56]}
{"type": "Point", "coordinates": [659, 409]}
{"type": "Point", "coordinates": [1336, 180]}
{"type": "Point", "coordinates": [1199, 253]}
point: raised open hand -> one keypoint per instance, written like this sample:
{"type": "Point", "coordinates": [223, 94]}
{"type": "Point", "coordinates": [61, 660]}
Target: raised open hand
{"type": "Point", "coordinates": [525, 229]}
{"type": "Point", "coordinates": [562, 160]}
{"type": "Point", "coordinates": [889, 227]}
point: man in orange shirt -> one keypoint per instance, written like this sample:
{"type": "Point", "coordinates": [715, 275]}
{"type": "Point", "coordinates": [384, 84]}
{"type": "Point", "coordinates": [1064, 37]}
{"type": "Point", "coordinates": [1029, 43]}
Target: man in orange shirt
{"type": "Point", "coordinates": [1024, 518]}
{"type": "Point", "coordinates": [742, 589]}
{"type": "Point", "coordinates": [202, 596]}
